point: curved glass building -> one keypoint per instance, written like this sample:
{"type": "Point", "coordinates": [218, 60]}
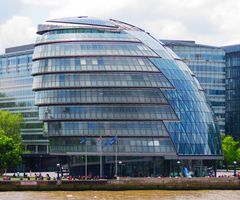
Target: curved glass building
{"type": "Point", "coordinates": [109, 90]}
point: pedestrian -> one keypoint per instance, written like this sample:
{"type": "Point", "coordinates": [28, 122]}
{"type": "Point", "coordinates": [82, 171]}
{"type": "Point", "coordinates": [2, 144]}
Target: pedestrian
{"type": "Point", "coordinates": [48, 177]}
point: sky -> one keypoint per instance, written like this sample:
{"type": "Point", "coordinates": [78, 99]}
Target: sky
{"type": "Point", "coordinates": [212, 22]}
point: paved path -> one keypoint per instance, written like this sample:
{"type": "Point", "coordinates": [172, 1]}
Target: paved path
{"type": "Point", "coordinates": [228, 173]}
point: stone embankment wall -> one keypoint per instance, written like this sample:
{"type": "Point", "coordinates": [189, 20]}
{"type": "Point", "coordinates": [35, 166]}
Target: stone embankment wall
{"type": "Point", "coordinates": [125, 184]}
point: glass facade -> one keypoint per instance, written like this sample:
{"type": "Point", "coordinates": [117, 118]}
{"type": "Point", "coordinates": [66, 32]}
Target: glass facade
{"type": "Point", "coordinates": [16, 96]}
{"type": "Point", "coordinates": [129, 145]}
{"type": "Point", "coordinates": [100, 80]}
{"type": "Point", "coordinates": [92, 49]}
{"type": "Point", "coordinates": [208, 64]}
{"type": "Point", "coordinates": [80, 64]}
{"type": "Point", "coordinates": [96, 128]}
{"type": "Point", "coordinates": [106, 86]}
{"type": "Point", "coordinates": [233, 91]}
{"type": "Point", "coordinates": [116, 95]}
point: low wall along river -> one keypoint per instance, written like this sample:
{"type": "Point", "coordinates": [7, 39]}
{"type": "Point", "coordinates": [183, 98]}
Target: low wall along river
{"type": "Point", "coordinates": [125, 184]}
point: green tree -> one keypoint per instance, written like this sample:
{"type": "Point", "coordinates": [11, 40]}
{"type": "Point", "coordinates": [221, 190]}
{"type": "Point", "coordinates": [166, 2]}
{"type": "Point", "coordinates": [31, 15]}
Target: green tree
{"type": "Point", "coordinates": [10, 139]}
{"type": "Point", "coordinates": [238, 155]}
{"type": "Point", "coordinates": [11, 125]}
{"type": "Point", "coordinates": [9, 152]}
{"type": "Point", "coordinates": [230, 148]}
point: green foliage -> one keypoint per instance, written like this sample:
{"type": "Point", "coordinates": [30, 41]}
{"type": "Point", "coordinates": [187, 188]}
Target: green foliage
{"type": "Point", "coordinates": [230, 149]}
{"type": "Point", "coordinates": [11, 125]}
{"type": "Point", "coordinates": [10, 139]}
{"type": "Point", "coordinates": [9, 152]}
{"type": "Point", "coordinates": [238, 155]}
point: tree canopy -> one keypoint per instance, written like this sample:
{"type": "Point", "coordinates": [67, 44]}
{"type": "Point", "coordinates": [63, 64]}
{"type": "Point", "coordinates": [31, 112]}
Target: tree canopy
{"type": "Point", "coordinates": [9, 152]}
{"type": "Point", "coordinates": [231, 150]}
{"type": "Point", "coordinates": [10, 139]}
{"type": "Point", "coordinates": [11, 125]}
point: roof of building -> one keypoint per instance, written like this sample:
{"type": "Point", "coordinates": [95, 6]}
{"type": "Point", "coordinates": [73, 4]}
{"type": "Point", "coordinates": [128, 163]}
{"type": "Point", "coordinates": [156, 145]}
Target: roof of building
{"type": "Point", "coordinates": [232, 48]}
{"type": "Point", "coordinates": [85, 22]}
{"type": "Point", "coordinates": [190, 43]}
{"type": "Point", "coordinates": [19, 48]}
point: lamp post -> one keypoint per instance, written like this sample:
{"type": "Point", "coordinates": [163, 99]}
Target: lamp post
{"type": "Point", "coordinates": [86, 162]}
{"type": "Point", "coordinates": [120, 166]}
{"type": "Point", "coordinates": [40, 163]}
{"type": "Point", "coordinates": [178, 163]}
{"type": "Point", "coordinates": [58, 170]}
{"type": "Point", "coordinates": [116, 157]}
{"type": "Point", "coordinates": [234, 164]}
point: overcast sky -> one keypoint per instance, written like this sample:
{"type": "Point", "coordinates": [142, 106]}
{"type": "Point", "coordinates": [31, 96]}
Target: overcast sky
{"type": "Point", "coordinates": [215, 22]}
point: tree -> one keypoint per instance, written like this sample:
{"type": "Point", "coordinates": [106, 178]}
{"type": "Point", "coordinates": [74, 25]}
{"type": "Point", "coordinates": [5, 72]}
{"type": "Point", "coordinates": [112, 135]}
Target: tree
{"type": "Point", "coordinates": [11, 125]}
{"type": "Point", "coordinates": [9, 152]}
{"type": "Point", "coordinates": [230, 148]}
{"type": "Point", "coordinates": [10, 139]}
{"type": "Point", "coordinates": [238, 155]}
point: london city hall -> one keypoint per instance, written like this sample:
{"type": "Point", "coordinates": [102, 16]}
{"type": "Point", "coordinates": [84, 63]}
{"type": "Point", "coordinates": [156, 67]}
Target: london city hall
{"type": "Point", "coordinates": [115, 100]}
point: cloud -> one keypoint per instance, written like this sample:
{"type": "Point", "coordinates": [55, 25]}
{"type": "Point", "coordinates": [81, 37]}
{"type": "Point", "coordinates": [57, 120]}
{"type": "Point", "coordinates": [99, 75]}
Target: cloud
{"type": "Point", "coordinates": [15, 31]}
{"type": "Point", "coordinates": [212, 22]}
{"type": "Point", "coordinates": [41, 2]}
{"type": "Point", "coordinates": [101, 8]}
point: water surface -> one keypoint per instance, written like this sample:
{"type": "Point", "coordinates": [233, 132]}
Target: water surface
{"type": "Point", "coordinates": [122, 195]}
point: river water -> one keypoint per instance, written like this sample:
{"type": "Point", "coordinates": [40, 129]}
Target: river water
{"type": "Point", "coordinates": [125, 195]}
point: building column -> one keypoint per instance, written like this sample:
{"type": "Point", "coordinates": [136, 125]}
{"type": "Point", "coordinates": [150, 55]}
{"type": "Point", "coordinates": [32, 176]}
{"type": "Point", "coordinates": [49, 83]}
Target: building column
{"type": "Point", "coordinates": [154, 166]}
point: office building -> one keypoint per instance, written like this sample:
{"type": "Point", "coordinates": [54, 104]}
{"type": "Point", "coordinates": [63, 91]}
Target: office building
{"type": "Point", "coordinates": [233, 91]}
{"type": "Point", "coordinates": [208, 64]}
{"type": "Point", "coordinates": [16, 96]}
{"type": "Point", "coordinates": [109, 91]}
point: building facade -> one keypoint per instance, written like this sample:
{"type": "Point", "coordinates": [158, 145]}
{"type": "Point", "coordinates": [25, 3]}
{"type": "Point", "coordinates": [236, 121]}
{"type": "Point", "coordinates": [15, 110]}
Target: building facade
{"type": "Point", "coordinates": [233, 91]}
{"type": "Point", "coordinates": [208, 64]}
{"type": "Point", "coordinates": [16, 96]}
{"type": "Point", "coordinates": [108, 91]}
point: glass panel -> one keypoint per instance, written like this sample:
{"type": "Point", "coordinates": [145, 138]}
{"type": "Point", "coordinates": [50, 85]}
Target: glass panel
{"type": "Point", "coordinates": [116, 112]}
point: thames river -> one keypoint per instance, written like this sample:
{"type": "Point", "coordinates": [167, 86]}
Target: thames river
{"type": "Point", "coordinates": [124, 195]}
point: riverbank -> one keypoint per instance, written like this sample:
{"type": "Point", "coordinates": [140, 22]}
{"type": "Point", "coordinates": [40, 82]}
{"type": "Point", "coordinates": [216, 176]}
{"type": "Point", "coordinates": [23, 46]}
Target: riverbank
{"type": "Point", "coordinates": [124, 184]}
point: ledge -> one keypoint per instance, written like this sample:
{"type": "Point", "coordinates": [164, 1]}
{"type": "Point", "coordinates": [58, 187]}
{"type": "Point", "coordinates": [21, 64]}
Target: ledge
{"type": "Point", "coordinates": [125, 184]}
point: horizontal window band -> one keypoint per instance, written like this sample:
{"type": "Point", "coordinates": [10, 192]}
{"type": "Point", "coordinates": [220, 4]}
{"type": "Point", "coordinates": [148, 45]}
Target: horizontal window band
{"type": "Point", "coordinates": [123, 87]}
{"type": "Point", "coordinates": [86, 41]}
{"type": "Point", "coordinates": [152, 154]}
{"type": "Point", "coordinates": [93, 71]}
{"type": "Point", "coordinates": [110, 136]}
{"type": "Point", "coordinates": [96, 55]}
{"type": "Point", "coordinates": [97, 103]}
{"type": "Point", "coordinates": [110, 120]}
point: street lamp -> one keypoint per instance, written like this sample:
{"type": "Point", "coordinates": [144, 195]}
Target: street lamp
{"type": "Point", "coordinates": [178, 163]}
{"type": "Point", "coordinates": [120, 166]}
{"type": "Point", "coordinates": [40, 164]}
{"type": "Point", "coordinates": [234, 164]}
{"type": "Point", "coordinates": [58, 170]}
